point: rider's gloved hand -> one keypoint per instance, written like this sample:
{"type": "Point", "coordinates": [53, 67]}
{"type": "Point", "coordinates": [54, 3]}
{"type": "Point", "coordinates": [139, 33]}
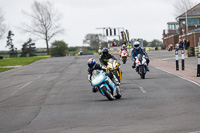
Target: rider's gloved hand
{"type": "Point", "coordinates": [104, 67]}
{"type": "Point", "coordinates": [118, 62]}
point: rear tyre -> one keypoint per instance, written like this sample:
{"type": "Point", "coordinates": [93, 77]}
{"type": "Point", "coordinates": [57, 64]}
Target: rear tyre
{"type": "Point", "coordinates": [107, 93]}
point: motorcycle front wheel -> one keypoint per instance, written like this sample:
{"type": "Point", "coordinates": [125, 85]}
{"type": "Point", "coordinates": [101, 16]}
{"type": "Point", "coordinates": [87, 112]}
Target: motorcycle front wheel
{"type": "Point", "coordinates": [124, 60]}
{"type": "Point", "coordinates": [107, 93]}
{"type": "Point", "coordinates": [142, 75]}
{"type": "Point", "coordinates": [116, 75]}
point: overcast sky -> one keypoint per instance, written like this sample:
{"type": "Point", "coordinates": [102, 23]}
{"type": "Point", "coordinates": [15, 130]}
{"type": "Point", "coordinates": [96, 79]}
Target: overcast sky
{"type": "Point", "coordinates": [142, 18]}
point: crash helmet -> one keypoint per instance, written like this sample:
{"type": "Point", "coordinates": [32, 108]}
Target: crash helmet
{"type": "Point", "coordinates": [123, 46]}
{"type": "Point", "coordinates": [105, 51]}
{"type": "Point", "coordinates": [91, 63]}
{"type": "Point", "coordinates": [136, 44]}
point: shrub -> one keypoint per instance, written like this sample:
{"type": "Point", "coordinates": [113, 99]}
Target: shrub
{"type": "Point", "coordinates": [59, 48]}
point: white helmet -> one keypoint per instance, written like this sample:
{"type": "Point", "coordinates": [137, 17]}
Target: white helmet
{"type": "Point", "coordinates": [136, 44]}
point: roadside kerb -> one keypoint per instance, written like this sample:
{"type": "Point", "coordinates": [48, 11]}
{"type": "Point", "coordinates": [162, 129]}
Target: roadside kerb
{"type": "Point", "coordinates": [188, 73]}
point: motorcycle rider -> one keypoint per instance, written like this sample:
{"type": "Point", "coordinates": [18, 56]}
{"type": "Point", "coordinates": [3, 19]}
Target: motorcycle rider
{"type": "Point", "coordinates": [138, 50]}
{"type": "Point", "coordinates": [99, 50]}
{"type": "Point", "coordinates": [95, 66]}
{"type": "Point", "coordinates": [104, 58]}
{"type": "Point", "coordinates": [81, 52]}
{"type": "Point", "coordinates": [123, 48]}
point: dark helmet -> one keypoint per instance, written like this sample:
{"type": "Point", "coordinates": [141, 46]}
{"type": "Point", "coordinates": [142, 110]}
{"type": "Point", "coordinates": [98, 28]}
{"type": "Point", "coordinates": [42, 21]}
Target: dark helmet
{"type": "Point", "coordinates": [105, 51]}
{"type": "Point", "coordinates": [91, 63]}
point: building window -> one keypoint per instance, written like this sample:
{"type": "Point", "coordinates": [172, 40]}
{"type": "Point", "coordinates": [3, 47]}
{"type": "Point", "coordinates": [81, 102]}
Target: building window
{"type": "Point", "coordinates": [193, 21]}
{"type": "Point", "coordinates": [173, 26]}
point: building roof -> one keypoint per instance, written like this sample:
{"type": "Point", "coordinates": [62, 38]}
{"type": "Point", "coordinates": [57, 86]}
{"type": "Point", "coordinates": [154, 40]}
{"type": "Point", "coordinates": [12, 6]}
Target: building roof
{"type": "Point", "coordinates": [194, 11]}
{"type": "Point", "coordinates": [195, 30]}
{"type": "Point", "coordinates": [172, 23]}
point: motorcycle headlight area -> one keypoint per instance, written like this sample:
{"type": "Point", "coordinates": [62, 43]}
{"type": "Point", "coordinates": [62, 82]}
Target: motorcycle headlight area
{"type": "Point", "coordinates": [110, 66]}
{"type": "Point", "coordinates": [98, 80]}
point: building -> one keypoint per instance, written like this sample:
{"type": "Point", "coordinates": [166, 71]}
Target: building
{"type": "Point", "coordinates": [187, 27]}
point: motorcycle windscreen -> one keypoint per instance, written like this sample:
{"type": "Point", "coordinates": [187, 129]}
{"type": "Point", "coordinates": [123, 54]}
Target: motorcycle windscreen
{"type": "Point", "coordinates": [124, 51]}
{"type": "Point", "coordinates": [139, 56]}
{"type": "Point", "coordinates": [97, 77]}
{"type": "Point", "coordinates": [111, 64]}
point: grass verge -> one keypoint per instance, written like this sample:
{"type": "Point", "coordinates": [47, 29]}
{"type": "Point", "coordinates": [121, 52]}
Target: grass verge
{"type": "Point", "coordinates": [5, 69]}
{"type": "Point", "coordinates": [19, 61]}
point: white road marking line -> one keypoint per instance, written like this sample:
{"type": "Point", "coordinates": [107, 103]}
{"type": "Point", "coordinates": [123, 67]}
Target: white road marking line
{"type": "Point", "coordinates": [142, 89]}
{"type": "Point", "coordinates": [195, 132]}
{"type": "Point", "coordinates": [39, 76]}
{"type": "Point", "coordinates": [46, 72]}
{"type": "Point", "coordinates": [179, 76]}
{"type": "Point", "coordinates": [21, 87]}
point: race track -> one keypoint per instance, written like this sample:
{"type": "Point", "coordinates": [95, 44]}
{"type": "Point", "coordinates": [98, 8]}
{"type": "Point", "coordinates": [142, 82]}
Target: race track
{"type": "Point", "coordinates": [54, 96]}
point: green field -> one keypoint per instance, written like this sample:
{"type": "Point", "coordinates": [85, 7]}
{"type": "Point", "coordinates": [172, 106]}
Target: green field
{"type": "Point", "coordinates": [4, 69]}
{"type": "Point", "coordinates": [18, 55]}
{"type": "Point", "coordinates": [19, 61]}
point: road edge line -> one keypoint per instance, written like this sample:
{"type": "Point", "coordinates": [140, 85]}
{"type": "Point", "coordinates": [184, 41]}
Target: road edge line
{"type": "Point", "coordinates": [179, 76]}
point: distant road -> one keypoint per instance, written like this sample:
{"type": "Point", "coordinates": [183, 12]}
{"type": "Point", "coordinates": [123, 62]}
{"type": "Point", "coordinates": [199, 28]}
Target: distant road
{"type": "Point", "coordinates": [54, 96]}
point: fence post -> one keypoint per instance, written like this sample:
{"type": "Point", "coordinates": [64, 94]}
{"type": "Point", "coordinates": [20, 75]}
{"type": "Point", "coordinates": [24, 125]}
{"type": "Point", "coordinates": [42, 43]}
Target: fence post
{"type": "Point", "coordinates": [176, 54]}
{"type": "Point", "coordinates": [182, 53]}
{"type": "Point", "coordinates": [198, 65]}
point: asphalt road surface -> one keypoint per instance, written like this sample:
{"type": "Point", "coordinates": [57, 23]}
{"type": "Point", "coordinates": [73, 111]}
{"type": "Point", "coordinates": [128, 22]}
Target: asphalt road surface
{"type": "Point", "coordinates": [54, 96]}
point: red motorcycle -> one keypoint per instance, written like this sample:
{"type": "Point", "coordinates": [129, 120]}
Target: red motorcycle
{"type": "Point", "coordinates": [124, 56]}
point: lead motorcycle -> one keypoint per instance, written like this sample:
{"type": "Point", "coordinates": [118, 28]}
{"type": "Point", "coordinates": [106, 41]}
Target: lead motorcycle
{"type": "Point", "coordinates": [141, 65]}
{"type": "Point", "coordinates": [124, 56]}
{"type": "Point", "coordinates": [104, 85]}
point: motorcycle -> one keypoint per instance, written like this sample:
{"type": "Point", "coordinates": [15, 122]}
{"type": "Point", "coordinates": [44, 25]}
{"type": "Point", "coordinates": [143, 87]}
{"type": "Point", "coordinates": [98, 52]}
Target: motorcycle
{"type": "Point", "coordinates": [141, 65]}
{"type": "Point", "coordinates": [114, 67]}
{"type": "Point", "coordinates": [80, 53]}
{"type": "Point", "coordinates": [124, 56]}
{"type": "Point", "coordinates": [99, 51]}
{"type": "Point", "coordinates": [104, 85]}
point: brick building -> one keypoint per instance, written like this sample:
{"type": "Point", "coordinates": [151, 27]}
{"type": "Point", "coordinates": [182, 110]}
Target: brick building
{"type": "Point", "coordinates": [187, 27]}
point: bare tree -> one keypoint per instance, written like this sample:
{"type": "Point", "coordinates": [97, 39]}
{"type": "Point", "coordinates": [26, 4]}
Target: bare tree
{"type": "Point", "coordinates": [182, 6]}
{"type": "Point", "coordinates": [2, 25]}
{"type": "Point", "coordinates": [45, 22]}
